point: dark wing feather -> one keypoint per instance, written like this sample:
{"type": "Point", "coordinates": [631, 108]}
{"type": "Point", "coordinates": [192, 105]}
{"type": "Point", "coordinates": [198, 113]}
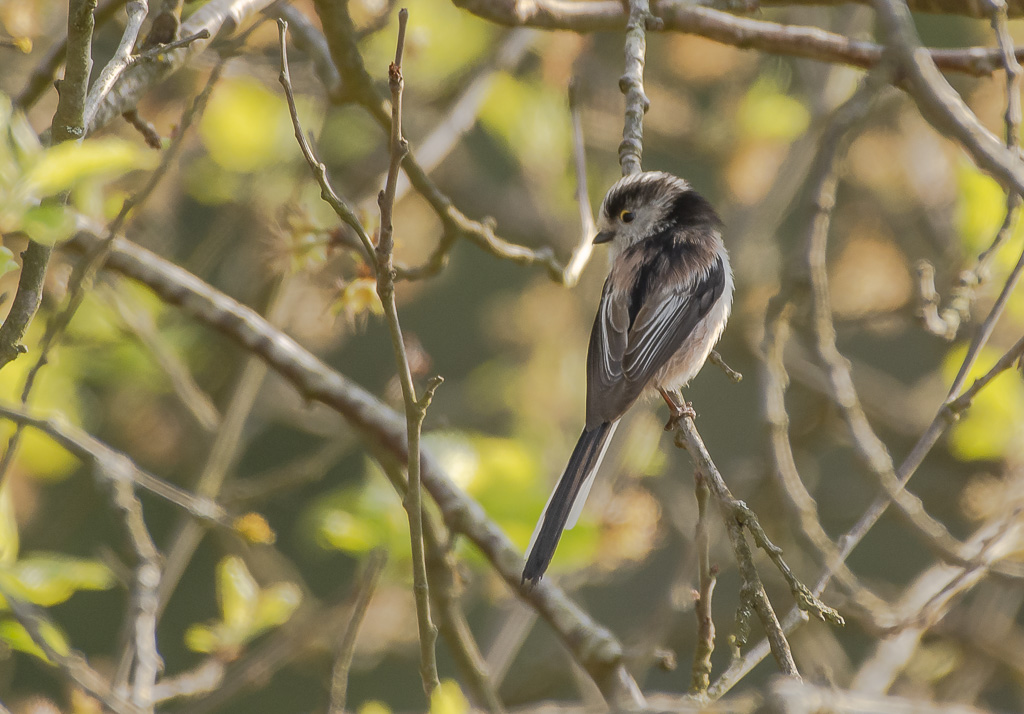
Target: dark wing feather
{"type": "Point", "coordinates": [665, 321]}
{"type": "Point", "coordinates": [625, 354]}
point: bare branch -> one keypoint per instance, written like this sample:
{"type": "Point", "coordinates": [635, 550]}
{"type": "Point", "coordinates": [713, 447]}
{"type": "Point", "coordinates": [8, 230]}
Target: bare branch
{"type": "Point", "coordinates": [415, 408]}
{"type": "Point", "coordinates": [678, 16]}
{"type": "Point", "coordinates": [347, 645]}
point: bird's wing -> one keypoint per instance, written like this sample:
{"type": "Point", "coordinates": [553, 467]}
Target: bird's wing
{"type": "Point", "coordinates": [666, 319]}
{"type": "Point", "coordinates": [627, 350]}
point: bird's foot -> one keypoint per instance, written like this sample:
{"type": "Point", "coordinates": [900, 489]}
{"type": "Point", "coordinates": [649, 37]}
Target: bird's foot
{"type": "Point", "coordinates": [678, 413]}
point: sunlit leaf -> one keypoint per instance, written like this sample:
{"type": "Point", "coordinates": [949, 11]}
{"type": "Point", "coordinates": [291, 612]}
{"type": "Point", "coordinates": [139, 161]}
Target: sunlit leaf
{"type": "Point", "coordinates": [275, 606]}
{"type": "Point", "coordinates": [7, 261]}
{"type": "Point", "coordinates": [48, 580]}
{"type": "Point", "coordinates": [768, 113]}
{"type": "Point", "coordinates": [202, 638]}
{"type": "Point", "coordinates": [8, 525]}
{"type": "Point", "coordinates": [17, 638]}
{"type": "Point", "coordinates": [237, 593]}
{"type": "Point", "coordinates": [48, 223]}
{"type": "Point", "coordinates": [448, 698]}
{"type": "Point", "coordinates": [530, 119]}
{"type": "Point", "coordinates": [245, 126]}
{"type": "Point", "coordinates": [61, 167]}
{"type": "Point", "coordinates": [374, 706]}
{"type": "Point", "coordinates": [993, 427]}
{"type": "Point", "coordinates": [359, 297]}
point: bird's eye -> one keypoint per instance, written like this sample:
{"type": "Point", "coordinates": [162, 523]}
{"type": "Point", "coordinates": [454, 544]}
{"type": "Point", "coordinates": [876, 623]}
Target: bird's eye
{"type": "Point", "coordinates": [626, 216]}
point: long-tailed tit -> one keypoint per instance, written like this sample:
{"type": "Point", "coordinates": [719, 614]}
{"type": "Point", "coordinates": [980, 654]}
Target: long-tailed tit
{"type": "Point", "coordinates": [664, 306]}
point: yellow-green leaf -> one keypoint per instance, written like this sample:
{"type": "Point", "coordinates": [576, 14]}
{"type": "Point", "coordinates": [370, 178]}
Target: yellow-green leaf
{"type": "Point", "coordinates": [61, 167]}
{"type": "Point", "coordinates": [7, 261]}
{"type": "Point", "coordinates": [237, 592]}
{"type": "Point", "coordinates": [48, 223]}
{"type": "Point", "coordinates": [246, 127]}
{"type": "Point", "coordinates": [48, 580]}
{"type": "Point", "coordinates": [767, 113]}
{"type": "Point", "coordinates": [275, 606]}
{"type": "Point", "coordinates": [18, 638]}
{"type": "Point", "coordinates": [8, 525]}
{"type": "Point", "coordinates": [448, 699]}
{"type": "Point", "coordinates": [374, 706]}
{"type": "Point", "coordinates": [993, 427]}
{"type": "Point", "coordinates": [201, 638]}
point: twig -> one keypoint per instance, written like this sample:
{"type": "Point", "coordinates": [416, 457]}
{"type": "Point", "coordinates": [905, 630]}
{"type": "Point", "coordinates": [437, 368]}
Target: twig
{"type": "Point", "coordinates": [583, 250]}
{"type": "Point", "coordinates": [137, 11]}
{"type": "Point", "coordinates": [347, 646]}
{"type": "Point", "coordinates": [218, 17]}
{"type": "Point", "coordinates": [42, 76]}
{"type": "Point", "coordinates": [716, 359]}
{"type": "Point", "coordinates": [701, 673]}
{"type": "Point", "coordinates": [632, 85]}
{"type": "Point", "coordinates": [111, 463]}
{"type": "Point", "coordinates": [442, 570]}
{"type": "Point", "coordinates": [415, 407]}
{"type": "Point", "coordinates": [327, 193]}
{"type": "Point", "coordinates": [68, 125]}
{"type": "Point", "coordinates": [596, 649]}
{"type": "Point", "coordinates": [72, 664]}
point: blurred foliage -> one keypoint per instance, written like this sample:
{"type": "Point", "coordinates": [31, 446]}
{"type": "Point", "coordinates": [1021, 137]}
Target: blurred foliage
{"type": "Point", "coordinates": [40, 579]}
{"type": "Point", "coordinates": [246, 610]}
{"type": "Point", "coordinates": [239, 210]}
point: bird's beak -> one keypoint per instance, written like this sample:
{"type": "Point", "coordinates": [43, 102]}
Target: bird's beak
{"type": "Point", "coordinates": [604, 237]}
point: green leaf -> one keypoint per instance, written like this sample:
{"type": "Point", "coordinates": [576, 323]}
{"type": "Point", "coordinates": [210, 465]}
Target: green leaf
{"type": "Point", "coordinates": [448, 699]}
{"type": "Point", "coordinates": [18, 638]}
{"type": "Point", "coordinates": [8, 525]}
{"type": "Point", "coordinates": [7, 261]}
{"type": "Point", "coordinates": [768, 113]}
{"type": "Point", "coordinates": [991, 429]}
{"type": "Point", "coordinates": [246, 127]}
{"type": "Point", "coordinates": [63, 166]}
{"type": "Point", "coordinates": [276, 605]}
{"type": "Point", "coordinates": [48, 580]}
{"type": "Point", "coordinates": [237, 592]}
{"type": "Point", "coordinates": [48, 223]}
{"type": "Point", "coordinates": [202, 638]}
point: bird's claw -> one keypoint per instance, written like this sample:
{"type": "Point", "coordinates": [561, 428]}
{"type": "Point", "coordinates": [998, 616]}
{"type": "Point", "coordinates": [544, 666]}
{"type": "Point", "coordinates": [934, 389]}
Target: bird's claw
{"type": "Point", "coordinates": [678, 414]}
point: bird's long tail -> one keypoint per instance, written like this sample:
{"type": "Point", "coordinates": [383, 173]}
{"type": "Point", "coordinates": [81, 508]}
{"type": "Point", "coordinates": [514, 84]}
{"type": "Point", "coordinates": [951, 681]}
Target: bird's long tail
{"type": "Point", "coordinates": [566, 501]}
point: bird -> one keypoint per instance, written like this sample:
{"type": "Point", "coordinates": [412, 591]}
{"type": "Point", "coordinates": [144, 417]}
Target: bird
{"type": "Point", "coordinates": [663, 308]}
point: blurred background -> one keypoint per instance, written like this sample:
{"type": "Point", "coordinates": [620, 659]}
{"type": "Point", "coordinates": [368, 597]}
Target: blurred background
{"type": "Point", "coordinates": [488, 108]}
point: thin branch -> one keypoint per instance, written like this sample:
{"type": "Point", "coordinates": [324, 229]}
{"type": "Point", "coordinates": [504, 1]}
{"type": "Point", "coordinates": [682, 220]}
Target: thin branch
{"type": "Point", "coordinates": [137, 11]}
{"type": "Point", "coordinates": [632, 85]}
{"type": "Point", "coordinates": [583, 250]}
{"type": "Point", "coordinates": [415, 407]}
{"type": "Point", "coordinates": [444, 577]}
{"type": "Point", "coordinates": [327, 193]}
{"type": "Point", "coordinates": [42, 76]}
{"type": "Point", "coordinates": [114, 465]}
{"type": "Point", "coordinates": [218, 17]}
{"type": "Point", "coordinates": [724, 27]}
{"type": "Point", "coordinates": [73, 664]}
{"type": "Point", "coordinates": [68, 125]}
{"type": "Point", "coordinates": [701, 671]}
{"type": "Point", "coordinates": [347, 645]}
